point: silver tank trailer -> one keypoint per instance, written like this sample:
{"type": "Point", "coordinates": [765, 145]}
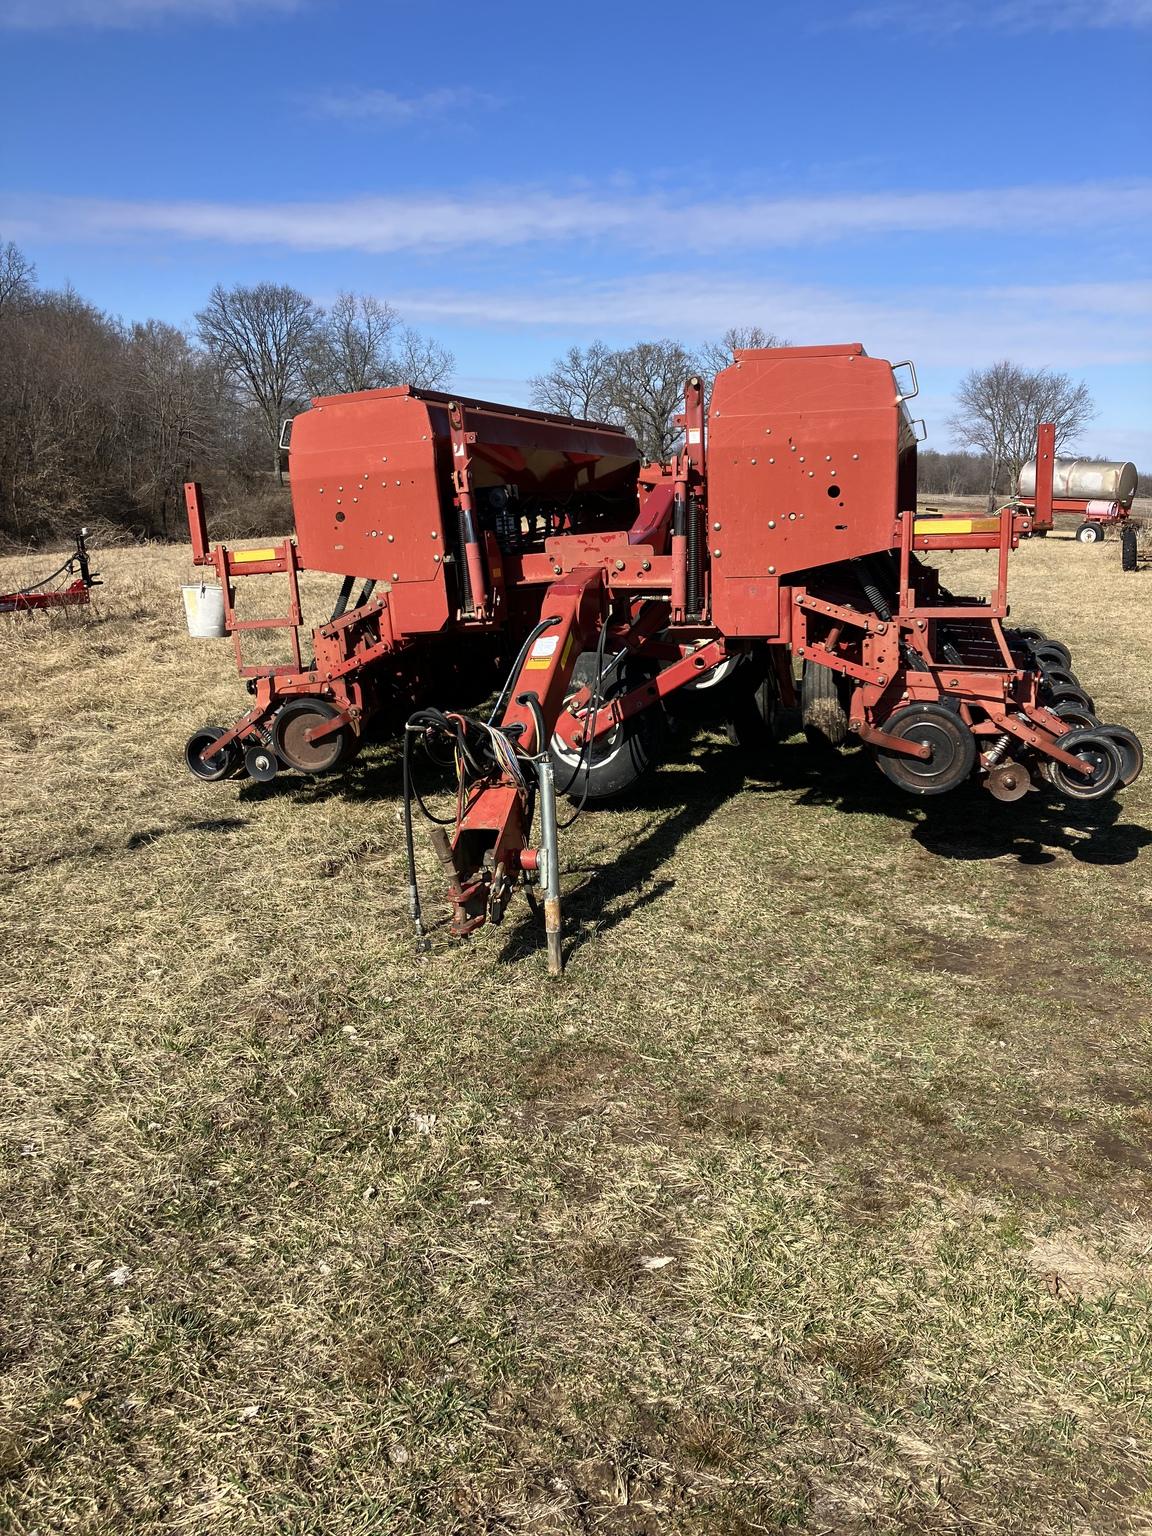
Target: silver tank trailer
{"type": "Point", "coordinates": [1085, 480]}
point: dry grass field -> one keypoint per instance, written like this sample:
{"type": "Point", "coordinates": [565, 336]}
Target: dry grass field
{"type": "Point", "coordinates": [817, 1197]}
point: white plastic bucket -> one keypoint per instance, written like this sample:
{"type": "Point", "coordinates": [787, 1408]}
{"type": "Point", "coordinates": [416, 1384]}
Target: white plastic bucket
{"type": "Point", "coordinates": [204, 610]}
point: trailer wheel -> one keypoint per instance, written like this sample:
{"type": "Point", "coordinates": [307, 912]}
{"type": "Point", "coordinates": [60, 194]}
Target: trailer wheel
{"type": "Point", "coordinates": [1128, 553]}
{"type": "Point", "coordinates": [620, 758]}
{"type": "Point", "coordinates": [1089, 533]}
{"type": "Point", "coordinates": [1103, 757]}
{"type": "Point", "coordinates": [823, 708]}
{"type": "Point", "coordinates": [220, 766]}
{"type": "Point", "coordinates": [290, 737]}
{"type": "Point", "coordinates": [1131, 751]}
{"type": "Point", "coordinates": [953, 750]}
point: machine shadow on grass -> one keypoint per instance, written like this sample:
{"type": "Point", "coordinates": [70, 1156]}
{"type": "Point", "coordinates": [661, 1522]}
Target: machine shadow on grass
{"type": "Point", "coordinates": [966, 824]}
{"type": "Point", "coordinates": [701, 773]}
{"type": "Point", "coordinates": [678, 797]}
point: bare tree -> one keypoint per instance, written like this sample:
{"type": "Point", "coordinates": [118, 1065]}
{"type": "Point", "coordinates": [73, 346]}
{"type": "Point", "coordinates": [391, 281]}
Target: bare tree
{"type": "Point", "coordinates": [578, 384]}
{"type": "Point", "coordinates": [261, 337]}
{"type": "Point", "coordinates": [359, 344]}
{"type": "Point", "coordinates": [716, 355]}
{"type": "Point", "coordinates": [351, 347]}
{"type": "Point", "coordinates": [170, 393]}
{"type": "Point", "coordinates": [17, 274]}
{"type": "Point", "coordinates": [647, 392]}
{"type": "Point", "coordinates": [421, 361]}
{"type": "Point", "coordinates": [1000, 407]}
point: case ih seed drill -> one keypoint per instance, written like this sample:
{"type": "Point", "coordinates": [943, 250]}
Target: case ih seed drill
{"type": "Point", "coordinates": [787, 530]}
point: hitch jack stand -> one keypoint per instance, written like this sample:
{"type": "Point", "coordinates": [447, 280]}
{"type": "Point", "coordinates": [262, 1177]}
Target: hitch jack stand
{"type": "Point", "coordinates": [550, 860]}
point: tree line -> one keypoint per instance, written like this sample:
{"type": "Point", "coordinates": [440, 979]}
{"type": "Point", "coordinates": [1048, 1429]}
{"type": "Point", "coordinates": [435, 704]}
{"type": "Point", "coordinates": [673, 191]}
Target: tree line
{"type": "Point", "coordinates": [103, 420]}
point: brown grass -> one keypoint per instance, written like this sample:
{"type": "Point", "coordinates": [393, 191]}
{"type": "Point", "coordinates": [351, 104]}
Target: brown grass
{"type": "Point", "coordinates": [308, 1232]}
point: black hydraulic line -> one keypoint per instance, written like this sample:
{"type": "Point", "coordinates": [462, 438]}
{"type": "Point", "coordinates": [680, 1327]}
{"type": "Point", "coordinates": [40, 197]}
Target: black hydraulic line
{"type": "Point", "coordinates": [342, 601]}
{"type": "Point", "coordinates": [585, 759]}
{"type": "Point", "coordinates": [366, 592]}
{"type": "Point", "coordinates": [517, 664]}
{"type": "Point", "coordinates": [692, 586]}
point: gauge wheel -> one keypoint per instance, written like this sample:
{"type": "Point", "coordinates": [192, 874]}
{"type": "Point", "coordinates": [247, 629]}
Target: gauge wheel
{"type": "Point", "coordinates": [953, 750]}
{"type": "Point", "coordinates": [823, 706]}
{"type": "Point", "coordinates": [1089, 533]}
{"type": "Point", "coordinates": [290, 736]}
{"type": "Point", "coordinates": [1051, 653]}
{"type": "Point", "coordinates": [1063, 693]}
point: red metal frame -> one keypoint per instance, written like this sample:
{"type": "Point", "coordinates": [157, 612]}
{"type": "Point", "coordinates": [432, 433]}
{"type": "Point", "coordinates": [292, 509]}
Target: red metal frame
{"type": "Point", "coordinates": [755, 539]}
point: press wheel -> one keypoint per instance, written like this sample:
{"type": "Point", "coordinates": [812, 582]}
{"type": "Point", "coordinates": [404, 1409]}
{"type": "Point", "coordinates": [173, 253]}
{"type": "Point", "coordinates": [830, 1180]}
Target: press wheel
{"type": "Point", "coordinates": [1100, 753]}
{"type": "Point", "coordinates": [221, 765]}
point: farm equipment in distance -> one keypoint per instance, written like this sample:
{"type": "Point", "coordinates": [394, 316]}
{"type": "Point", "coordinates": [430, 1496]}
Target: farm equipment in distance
{"type": "Point", "coordinates": [1098, 491]}
{"type": "Point", "coordinates": [40, 596]}
{"type": "Point", "coordinates": [784, 530]}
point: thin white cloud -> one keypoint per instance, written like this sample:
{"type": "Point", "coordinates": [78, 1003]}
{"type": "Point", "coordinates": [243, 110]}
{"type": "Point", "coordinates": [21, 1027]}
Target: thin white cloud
{"type": "Point", "coordinates": [1068, 325]}
{"type": "Point", "coordinates": [356, 104]}
{"type": "Point", "coordinates": [47, 15]}
{"type": "Point", "coordinates": [430, 223]}
{"type": "Point", "coordinates": [951, 16]}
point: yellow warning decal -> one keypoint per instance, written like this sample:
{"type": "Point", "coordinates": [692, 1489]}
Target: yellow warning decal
{"type": "Point", "coordinates": [239, 556]}
{"type": "Point", "coordinates": [936, 525]}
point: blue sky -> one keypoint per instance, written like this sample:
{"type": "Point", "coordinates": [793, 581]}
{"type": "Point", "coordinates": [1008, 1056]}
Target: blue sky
{"type": "Point", "coordinates": [949, 181]}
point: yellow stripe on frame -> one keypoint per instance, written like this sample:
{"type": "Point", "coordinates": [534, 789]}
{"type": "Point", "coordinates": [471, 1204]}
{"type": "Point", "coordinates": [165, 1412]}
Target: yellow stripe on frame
{"type": "Point", "coordinates": [932, 525]}
{"type": "Point", "coordinates": [242, 556]}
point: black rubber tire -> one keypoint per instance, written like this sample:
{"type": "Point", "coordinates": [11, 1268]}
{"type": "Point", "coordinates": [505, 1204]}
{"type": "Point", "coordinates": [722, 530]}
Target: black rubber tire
{"type": "Point", "coordinates": [1060, 677]}
{"type": "Point", "coordinates": [1128, 549]}
{"type": "Point", "coordinates": [1089, 533]}
{"type": "Point", "coordinates": [1040, 533]}
{"type": "Point", "coordinates": [1051, 653]}
{"type": "Point", "coordinates": [1131, 751]}
{"type": "Point", "coordinates": [1063, 694]}
{"type": "Point", "coordinates": [752, 719]}
{"type": "Point", "coordinates": [222, 766]}
{"type": "Point", "coordinates": [823, 707]}
{"type": "Point", "coordinates": [1094, 748]}
{"type": "Point", "coordinates": [288, 736]}
{"type": "Point", "coordinates": [1030, 637]}
{"type": "Point", "coordinates": [620, 759]}
{"type": "Point", "coordinates": [1077, 719]}
{"type": "Point", "coordinates": [954, 750]}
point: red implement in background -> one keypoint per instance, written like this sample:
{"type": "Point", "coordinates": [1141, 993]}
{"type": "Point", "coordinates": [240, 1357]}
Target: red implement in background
{"type": "Point", "coordinates": [41, 596]}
